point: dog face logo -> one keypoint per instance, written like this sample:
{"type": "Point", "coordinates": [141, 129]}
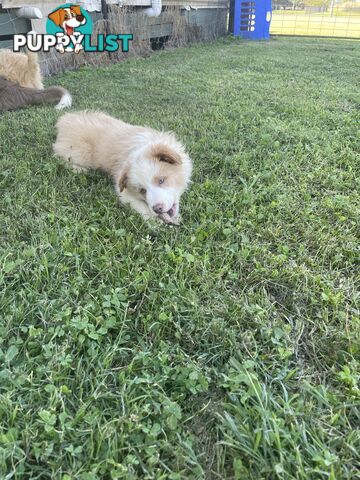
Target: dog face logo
{"type": "Point", "coordinates": [69, 28]}
{"type": "Point", "coordinates": [68, 19]}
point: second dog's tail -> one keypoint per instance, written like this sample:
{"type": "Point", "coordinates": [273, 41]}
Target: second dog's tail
{"type": "Point", "coordinates": [33, 96]}
{"type": "Point", "coordinates": [65, 99]}
{"type": "Point", "coordinates": [13, 96]}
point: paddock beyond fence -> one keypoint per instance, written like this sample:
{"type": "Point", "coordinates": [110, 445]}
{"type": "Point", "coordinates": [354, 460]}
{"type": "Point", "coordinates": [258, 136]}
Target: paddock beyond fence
{"type": "Point", "coordinates": [321, 18]}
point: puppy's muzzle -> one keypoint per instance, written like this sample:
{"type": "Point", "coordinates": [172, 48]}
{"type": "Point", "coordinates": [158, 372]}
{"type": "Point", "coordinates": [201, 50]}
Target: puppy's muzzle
{"type": "Point", "coordinates": [159, 208]}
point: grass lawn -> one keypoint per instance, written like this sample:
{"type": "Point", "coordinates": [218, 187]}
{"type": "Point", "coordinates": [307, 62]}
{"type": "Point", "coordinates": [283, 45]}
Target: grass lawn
{"type": "Point", "coordinates": [303, 23]}
{"type": "Point", "coordinates": [225, 349]}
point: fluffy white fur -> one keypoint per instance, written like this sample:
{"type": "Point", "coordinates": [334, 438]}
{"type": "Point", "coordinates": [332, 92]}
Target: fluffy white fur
{"type": "Point", "coordinates": [150, 169]}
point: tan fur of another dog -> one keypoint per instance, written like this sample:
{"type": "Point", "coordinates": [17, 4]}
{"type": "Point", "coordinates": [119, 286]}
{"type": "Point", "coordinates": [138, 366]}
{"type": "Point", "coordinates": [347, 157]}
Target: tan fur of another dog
{"type": "Point", "coordinates": [21, 68]}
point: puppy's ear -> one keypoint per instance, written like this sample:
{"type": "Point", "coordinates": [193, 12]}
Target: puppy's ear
{"type": "Point", "coordinates": [76, 9]}
{"type": "Point", "coordinates": [123, 181]}
{"type": "Point", "coordinates": [164, 153]}
{"type": "Point", "coordinates": [56, 16]}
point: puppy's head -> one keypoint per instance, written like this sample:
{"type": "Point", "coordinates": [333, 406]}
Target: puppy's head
{"type": "Point", "coordinates": [68, 18]}
{"type": "Point", "coordinates": [158, 175]}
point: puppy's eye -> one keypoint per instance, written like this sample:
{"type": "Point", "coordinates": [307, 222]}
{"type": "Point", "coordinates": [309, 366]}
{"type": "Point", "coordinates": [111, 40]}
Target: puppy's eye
{"type": "Point", "coordinates": [142, 191]}
{"type": "Point", "coordinates": [161, 180]}
{"type": "Point", "coordinates": [66, 16]}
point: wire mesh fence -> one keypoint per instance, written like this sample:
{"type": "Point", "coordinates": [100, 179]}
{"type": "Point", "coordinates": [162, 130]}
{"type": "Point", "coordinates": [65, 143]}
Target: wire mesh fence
{"type": "Point", "coordinates": [324, 18]}
{"type": "Point", "coordinates": [9, 25]}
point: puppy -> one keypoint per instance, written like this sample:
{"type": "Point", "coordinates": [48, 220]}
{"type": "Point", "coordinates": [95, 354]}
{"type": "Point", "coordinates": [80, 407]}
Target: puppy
{"type": "Point", "coordinates": [150, 169]}
{"type": "Point", "coordinates": [68, 18]}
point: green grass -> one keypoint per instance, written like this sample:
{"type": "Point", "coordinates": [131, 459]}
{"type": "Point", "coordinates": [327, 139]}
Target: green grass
{"type": "Point", "coordinates": [225, 349]}
{"type": "Point", "coordinates": [296, 22]}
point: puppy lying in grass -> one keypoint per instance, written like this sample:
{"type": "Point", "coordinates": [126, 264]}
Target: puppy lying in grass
{"type": "Point", "coordinates": [150, 169]}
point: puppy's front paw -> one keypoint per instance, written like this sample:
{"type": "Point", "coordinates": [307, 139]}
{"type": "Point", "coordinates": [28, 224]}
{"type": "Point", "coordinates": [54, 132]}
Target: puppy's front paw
{"type": "Point", "coordinates": [76, 168]}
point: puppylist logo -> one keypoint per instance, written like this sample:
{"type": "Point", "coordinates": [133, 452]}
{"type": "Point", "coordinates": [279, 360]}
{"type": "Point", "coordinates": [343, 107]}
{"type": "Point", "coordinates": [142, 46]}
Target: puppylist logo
{"type": "Point", "coordinates": [69, 29]}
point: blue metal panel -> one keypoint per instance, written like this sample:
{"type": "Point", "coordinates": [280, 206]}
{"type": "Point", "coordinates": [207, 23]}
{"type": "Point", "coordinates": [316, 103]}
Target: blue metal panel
{"type": "Point", "coordinates": [251, 19]}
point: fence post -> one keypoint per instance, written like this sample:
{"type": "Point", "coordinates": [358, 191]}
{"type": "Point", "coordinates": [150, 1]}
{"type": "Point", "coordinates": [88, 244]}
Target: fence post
{"type": "Point", "coordinates": [105, 15]}
{"type": "Point", "coordinates": [332, 5]}
{"type": "Point", "coordinates": [104, 10]}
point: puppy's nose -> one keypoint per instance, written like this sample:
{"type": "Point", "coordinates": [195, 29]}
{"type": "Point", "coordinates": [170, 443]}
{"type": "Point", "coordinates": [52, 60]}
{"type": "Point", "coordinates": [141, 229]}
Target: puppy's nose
{"type": "Point", "coordinates": [158, 208]}
{"type": "Point", "coordinates": [80, 18]}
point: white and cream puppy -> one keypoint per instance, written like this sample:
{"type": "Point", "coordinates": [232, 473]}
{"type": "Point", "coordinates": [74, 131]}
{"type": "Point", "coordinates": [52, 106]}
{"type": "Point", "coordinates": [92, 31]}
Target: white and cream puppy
{"type": "Point", "coordinates": [150, 169]}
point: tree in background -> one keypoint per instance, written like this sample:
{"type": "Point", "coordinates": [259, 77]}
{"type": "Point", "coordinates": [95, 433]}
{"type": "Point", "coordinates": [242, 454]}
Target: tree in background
{"type": "Point", "coordinates": [282, 4]}
{"type": "Point", "coordinates": [317, 5]}
{"type": "Point", "coordinates": [288, 4]}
